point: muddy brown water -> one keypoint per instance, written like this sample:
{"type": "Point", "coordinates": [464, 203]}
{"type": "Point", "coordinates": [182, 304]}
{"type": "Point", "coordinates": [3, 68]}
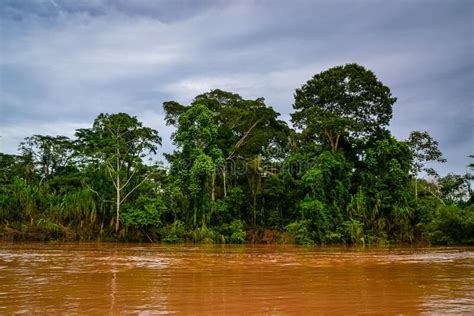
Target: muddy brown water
{"type": "Point", "coordinates": [101, 278]}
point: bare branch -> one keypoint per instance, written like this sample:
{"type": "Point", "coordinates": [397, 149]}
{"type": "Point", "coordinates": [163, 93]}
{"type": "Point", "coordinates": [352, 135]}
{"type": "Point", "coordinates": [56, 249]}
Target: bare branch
{"type": "Point", "coordinates": [128, 180]}
{"type": "Point", "coordinates": [136, 187]}
{"type": "Point", "coordinates": [109, 169]}
{"type": "Point", "coordinates": [241, 140]}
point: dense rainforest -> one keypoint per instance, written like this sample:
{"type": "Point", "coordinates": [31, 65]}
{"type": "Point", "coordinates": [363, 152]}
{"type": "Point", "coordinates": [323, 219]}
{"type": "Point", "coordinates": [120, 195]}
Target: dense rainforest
{"type": "Point", "coordinates": [240, 174]}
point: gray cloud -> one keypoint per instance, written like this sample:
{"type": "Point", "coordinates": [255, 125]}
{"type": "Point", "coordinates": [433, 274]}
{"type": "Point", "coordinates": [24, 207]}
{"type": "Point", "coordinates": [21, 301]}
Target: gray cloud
{"type": "Point", "coordinates": [63, 62]}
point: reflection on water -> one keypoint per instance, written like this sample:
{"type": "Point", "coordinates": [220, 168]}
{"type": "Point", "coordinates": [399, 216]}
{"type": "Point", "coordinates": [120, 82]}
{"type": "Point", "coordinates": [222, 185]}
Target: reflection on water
{"type": "Point", "coordinates": [154, 279]}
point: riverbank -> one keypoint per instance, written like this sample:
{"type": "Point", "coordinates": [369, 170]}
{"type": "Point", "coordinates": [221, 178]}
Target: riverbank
{"type": "Point", "coordinates": [252, 236]}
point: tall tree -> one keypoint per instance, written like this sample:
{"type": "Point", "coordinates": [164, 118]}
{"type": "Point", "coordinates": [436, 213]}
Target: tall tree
{"type": "Point", "coordinates": [470, 177]}
{"type": "Point", "coordinates": [344, 101]}
{"type": "Point", "coordinates": [384, 176]}
{"type": "Point", "coordinates": [119, 142]}
{"type": "Point", "coordinates": [454, 188]}
{"type": "Point", "coordinates": [245, 130]}
{"type": "Point", "coordinates": [424, 149]}
{"type": "Point", "coordinates": [471, 165]}
{"type": "Point", "coordinates": [194, 166]}
{"type": "Point", "coordinates": [48, 153]}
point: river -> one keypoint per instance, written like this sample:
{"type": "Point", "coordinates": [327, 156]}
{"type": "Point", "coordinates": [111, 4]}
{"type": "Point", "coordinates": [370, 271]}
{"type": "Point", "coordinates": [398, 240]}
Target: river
{"type": "Point", "coordinates": [104, 278]}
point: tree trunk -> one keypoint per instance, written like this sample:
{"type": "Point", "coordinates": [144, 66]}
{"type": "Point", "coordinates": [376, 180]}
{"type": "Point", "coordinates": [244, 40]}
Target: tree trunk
{"type": "Point", "coordinates": [256, 187]}
{"type": "Point", "coordinates": [223, 179]}
{"type": "Point", "coordinates": [336, 143]}
{"type": "Point", "coordinates": [254, 209]}
{"type": "Point", "coordinates": [416, 189]}
{"type": "Point", "coordinates": [117, 204]}
{"type": "Point", "coordinates": [333, 140]}
{"type": "Point", "coordinates": [117, 188]}
{"type": "Point", "coordinates": [213, 191]}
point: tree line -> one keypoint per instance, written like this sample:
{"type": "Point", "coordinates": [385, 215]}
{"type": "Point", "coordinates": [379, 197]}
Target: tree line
{"type": "Point", "coordinates": [240, 174]}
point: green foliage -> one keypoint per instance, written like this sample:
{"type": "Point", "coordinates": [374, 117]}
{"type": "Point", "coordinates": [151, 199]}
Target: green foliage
{"type": "Point", "coordinates": [116, 143]}
{"type": "Point", "coordinates": [317, 217]}
{"type": "Point", "coordinates": [146, 211]}
{"type": "Point", "coordinates": [385, 185]}
{"type": "Point", "coordinates": [206, 235]}
{"type": "Point", "coordinates": [237, 171]}
{"type": "Point", "coordinates": [454, 188]}
{"type": "Point", "coordinates": [353, 231]}
{"type": "Point", "coordinates": [237, 233]}
{"type": "Point", "coordinates": [329, 181]}
{"type": "Point", "coordinates": [52, 229]}
{"type": "Point", "coordinates": [344, 101]}
{"type": "Point", "coordinates": [234, 232]}
{"type": "Point", "coordinates": [301, 231]}
{"type": "Point", "coordinates": [174, 232]}
{"type": "Point", "coordinates": [234, 200]}
{"type": "Point", "coordinates": [424, 149]}
{"type": "Point", "coordinates": [197, 128]}
{"type": "Point", "coordinates": [48, 154]}
{"type": "Point", "coordinates": [451, 225]}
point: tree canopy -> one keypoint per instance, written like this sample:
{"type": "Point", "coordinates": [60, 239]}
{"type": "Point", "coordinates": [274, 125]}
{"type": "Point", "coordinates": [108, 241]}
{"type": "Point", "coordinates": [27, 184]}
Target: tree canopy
{"type": "Point", "coordinates": [238, 173]}
{"type": "Point", "coordinates": [117, 143]}
{"type": "Point", "coordinates": [344, 101]}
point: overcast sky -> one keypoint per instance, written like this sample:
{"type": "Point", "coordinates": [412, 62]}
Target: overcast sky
{"type": "Point", "coordinates": [64, 62]}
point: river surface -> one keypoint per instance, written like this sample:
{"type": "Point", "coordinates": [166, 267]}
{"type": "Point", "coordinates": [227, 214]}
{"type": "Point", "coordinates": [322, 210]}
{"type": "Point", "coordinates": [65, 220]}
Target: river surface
{"type": "Point", "coordinates": [102, 278]}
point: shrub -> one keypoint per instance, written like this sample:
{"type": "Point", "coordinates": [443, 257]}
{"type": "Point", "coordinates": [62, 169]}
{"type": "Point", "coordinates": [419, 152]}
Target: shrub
{"type": "Point", "coordinates": [301, 232]}
{"type": "Point", "coordinates": [353, 231]}
{"type": "Point", "coordinates": [237, 232]}
{"type": "Point", "coordinates": [145, 212]}
{"type": "Point", "coordinates": [451, 225]}
{"type": "Point", "coordinates": [173, 233]}
{"type": "Point", "coordinates": [206, 235]}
